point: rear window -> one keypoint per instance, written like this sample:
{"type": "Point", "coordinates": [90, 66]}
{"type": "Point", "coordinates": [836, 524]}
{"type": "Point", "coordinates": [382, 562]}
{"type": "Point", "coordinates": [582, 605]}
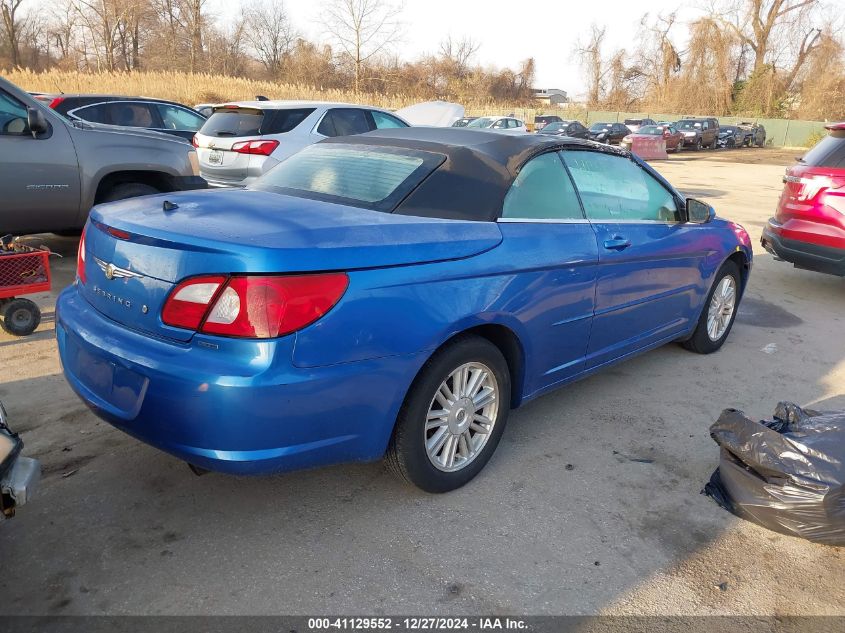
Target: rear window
{"type": "Point", "coordinates": [366, 176]}
{"type": "Point", "coordinates": [252, 122]}
{"type": "Point", "coordinates": [633, 121]}
{"type": "Point", "coordinates": [829, 152]}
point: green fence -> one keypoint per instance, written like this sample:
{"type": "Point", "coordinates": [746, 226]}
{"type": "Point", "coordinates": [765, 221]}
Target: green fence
{"type": "Point", "coordinates": [779, 132]}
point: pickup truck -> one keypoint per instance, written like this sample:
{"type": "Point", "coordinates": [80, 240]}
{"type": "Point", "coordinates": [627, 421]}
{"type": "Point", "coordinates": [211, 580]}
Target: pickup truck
{"type": "Point", "coordinates": [53, 170]}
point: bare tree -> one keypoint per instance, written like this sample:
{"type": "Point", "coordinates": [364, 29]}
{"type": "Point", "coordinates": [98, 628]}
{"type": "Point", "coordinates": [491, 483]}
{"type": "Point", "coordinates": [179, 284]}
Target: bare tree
{"type": "Point", "coordinates": [362, 29]}
{"type": "Point", "coordinates": [593, 64]}
{"type": "Point", "coordinates": [193, 20]}
{"type": "Point", "coordinates": [781, 34]}
{"type": "Point", "coordinates": [13, 27]}
{"type": "Point", "coordinates": [270, 33]}
{"type": "Point", "coordinates": [459, 53]}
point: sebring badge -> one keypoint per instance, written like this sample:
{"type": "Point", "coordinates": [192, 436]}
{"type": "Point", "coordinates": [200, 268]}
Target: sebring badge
{"type": "Point", "coordinates": [113, 272]}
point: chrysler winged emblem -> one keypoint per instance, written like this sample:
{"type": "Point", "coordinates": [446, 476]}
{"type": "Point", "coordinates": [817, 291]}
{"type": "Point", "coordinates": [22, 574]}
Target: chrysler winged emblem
{"type": "Point", "coordinates": [113, 272]}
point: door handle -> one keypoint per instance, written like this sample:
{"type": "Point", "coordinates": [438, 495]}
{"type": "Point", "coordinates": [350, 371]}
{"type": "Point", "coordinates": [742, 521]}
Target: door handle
{"type": "Point", "coordinates": [617, 243]}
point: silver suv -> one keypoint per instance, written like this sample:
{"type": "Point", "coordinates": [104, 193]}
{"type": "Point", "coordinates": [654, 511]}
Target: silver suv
{"type": "Point", "coordinates": [241, 141]}
{"type": "Point", "coordinates": [52, 170]}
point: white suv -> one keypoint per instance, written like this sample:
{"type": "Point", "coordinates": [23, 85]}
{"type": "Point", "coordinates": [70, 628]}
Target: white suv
{"type": "Point", "coordinates": [242, 141]}
{"type": "Point", "coordinates": [505, 125]}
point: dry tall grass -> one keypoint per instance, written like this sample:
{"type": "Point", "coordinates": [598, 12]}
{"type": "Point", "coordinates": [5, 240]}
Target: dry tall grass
{"type": "Point", "coordinates": [205, 88]}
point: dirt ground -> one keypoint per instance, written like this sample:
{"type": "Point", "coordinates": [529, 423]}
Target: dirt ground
{"type": "Point", "coordinates": [590, 505]}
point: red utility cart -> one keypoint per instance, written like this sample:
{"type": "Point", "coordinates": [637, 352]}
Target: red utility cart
{"type": "Point", "coordinates": [23, 270]}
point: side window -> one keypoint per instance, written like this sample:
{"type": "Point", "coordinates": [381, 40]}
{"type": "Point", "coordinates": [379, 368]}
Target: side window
{"type": "Point", "coordinates": [92, 114]}
{"type": "Point", "coordinates": [500, 124]}
{"type": "Point", "coordinates": [614, 188]}
{"type": "Point", "coordinates": [121, 113]}
{"type": "Point", "coordinates": [175, 118]}
{"type": "Point", "coordinates": [542, 191]}
{"type": "Point", "coordinates": [13, 117]}
{"type": "Point", "coordinates": [326, 127]}
{"type": "Point", "coordinates": [385, 121]}
{"type": "Point", "coordinates": [346, 122]}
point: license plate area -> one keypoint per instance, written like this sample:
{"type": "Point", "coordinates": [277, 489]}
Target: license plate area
{"type": "Point", "coordinates": [215, 157]}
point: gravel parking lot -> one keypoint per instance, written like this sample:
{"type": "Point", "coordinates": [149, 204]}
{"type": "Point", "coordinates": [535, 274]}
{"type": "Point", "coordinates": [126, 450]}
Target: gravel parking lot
{"type": "Point", "coordinates": [590, 505]}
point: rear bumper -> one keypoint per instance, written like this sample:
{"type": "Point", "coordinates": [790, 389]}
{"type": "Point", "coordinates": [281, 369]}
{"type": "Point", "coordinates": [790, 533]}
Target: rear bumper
{"type": "Point", "coordinates": [236, 406]}
{"type": "Point", "coordinates": [18, 485]}
{"type": "Point", "coordinates": [806, 255]}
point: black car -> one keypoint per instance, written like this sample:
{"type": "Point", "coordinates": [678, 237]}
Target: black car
{"type": "Point", "coordinates": [609, 133]}
{"type": "Point", "coordinates": [572, 129]}
{"type": "Point", "coordinates": [731, 136]}
{"type": "Point", "coordinates": [540, 122]}
{"type": "Point", "coordinates": [464, 121]}
{"type": "Point", "coordinates": [152, 114]}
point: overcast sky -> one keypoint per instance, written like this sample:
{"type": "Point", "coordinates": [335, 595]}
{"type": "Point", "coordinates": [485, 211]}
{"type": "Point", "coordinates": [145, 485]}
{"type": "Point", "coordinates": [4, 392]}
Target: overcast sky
{"type": "Point", "coordinates": [512, 31]}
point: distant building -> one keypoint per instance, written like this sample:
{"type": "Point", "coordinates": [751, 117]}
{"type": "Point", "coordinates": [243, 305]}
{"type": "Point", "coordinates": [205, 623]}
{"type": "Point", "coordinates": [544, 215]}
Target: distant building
{"type": "Point", "coordinates": [551, 96]}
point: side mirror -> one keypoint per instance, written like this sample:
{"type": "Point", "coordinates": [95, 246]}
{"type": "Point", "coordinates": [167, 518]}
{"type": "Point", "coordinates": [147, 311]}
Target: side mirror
{"type": "Point", "coordinates": [699, 212]}
{"type": "Point", "coordinates": [37, 122]}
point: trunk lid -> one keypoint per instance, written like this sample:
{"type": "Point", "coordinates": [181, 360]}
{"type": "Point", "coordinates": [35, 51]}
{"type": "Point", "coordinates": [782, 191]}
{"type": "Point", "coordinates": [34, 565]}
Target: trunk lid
{"type": "Point", "coordinates": [244, 231]}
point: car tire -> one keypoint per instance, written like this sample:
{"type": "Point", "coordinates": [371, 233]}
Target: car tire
{"type": "Point", "coordinates": [129, 190]}
{"type": "Point", "coordinates": [698, 145]}
{"type": "Point", "coordinates": [20, 317]}
{"type": "Point", "coordinates": [706, 340]}
{"type": "Point", "coordinates": [413, 449]}
{"type": "Point", "coordinates": [680, 146]}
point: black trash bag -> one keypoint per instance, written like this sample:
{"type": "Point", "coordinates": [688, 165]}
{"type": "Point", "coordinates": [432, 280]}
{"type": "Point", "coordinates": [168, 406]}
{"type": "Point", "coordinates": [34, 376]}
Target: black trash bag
{"type": "Point", "coordinates": [786, 474]}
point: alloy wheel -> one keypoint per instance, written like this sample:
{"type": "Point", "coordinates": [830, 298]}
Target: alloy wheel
{"type": "Point", "coordinates": [721, 309]}
{"type": "Point", "coordinates": [461, 417]}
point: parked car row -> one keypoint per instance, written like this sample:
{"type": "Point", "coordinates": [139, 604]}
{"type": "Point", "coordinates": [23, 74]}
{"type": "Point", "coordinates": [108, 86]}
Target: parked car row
{"type": "Point", "coordinates": [692, 133]}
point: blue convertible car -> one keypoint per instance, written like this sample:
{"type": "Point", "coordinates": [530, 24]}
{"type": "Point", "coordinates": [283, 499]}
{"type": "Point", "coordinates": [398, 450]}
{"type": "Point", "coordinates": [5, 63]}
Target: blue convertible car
{"type": "Point", "coordinates": [394, 293]}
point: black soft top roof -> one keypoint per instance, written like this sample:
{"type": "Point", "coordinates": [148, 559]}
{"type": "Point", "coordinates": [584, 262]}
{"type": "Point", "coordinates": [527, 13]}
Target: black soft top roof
{"type": "Point", "coordinates": [480, 166]}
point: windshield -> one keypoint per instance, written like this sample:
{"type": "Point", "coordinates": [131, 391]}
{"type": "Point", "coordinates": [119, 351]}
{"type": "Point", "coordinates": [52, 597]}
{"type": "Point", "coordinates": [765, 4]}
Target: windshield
{"type": "Point", "coordinates": [484, 121]}
{"type": "Point", "coordinates": [366, 176]}
{"type": "Point", "coordinates": [689, 125]}
{"type": "Point", "coordinates": [554, 127]}
{"type": "Point", "coordinates": [650, 130]}
{"type": "Point", "coordinates": [633, 121]}
{"type": "Point", "coordinates": [600, 127]}
{"type": "Point", "coordinates": [727, 128]}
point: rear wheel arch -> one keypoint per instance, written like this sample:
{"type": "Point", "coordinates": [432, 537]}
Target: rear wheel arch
{"type": "Point", "coordinates": [507, 342]}
{"type": "Point", "coordinates": [160, 181]}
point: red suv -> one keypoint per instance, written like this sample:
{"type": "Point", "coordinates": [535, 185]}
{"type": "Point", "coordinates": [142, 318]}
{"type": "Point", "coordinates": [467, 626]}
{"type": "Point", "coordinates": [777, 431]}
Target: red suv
{"type": "Point", "coordinates": [808, 229]}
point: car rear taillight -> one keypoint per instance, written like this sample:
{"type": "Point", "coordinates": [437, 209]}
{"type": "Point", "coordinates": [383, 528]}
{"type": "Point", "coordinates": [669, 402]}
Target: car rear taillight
{"type": "Point", "coordinates": [259, 147]}
{"type": "Point", "coordinates": [190, 300]}
{"type": "Point", "coordinates": [254, 306]}
{"type": "Point", "coordinates": [55, 102]}
{"type": "Point", "coordinates": [80, 258]}
{"type": "Point", "coordinates": [194, 141]}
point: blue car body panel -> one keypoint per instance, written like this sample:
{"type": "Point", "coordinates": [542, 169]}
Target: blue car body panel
{"type": "Point", "coordinates": [331, 391]}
